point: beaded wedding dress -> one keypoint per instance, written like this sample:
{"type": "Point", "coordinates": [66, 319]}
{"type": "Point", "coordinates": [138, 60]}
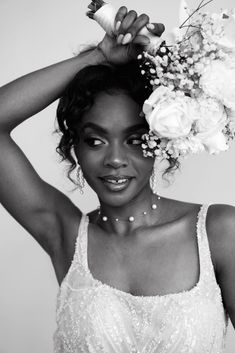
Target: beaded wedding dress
{"type": "Point", "coordinates": [93, 317]}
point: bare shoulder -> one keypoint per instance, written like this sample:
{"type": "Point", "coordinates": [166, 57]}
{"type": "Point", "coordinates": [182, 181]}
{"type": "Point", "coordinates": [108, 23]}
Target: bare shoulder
{"type": "Point", "coordinates": [178, 209]}
{"type": "Point", "coordinates": [221, 234]}
{"type": "Point", "coordinates": [220, 225]}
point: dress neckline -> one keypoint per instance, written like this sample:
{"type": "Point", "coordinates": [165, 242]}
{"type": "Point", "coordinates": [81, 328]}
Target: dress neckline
{"type": "Point", "coordinates": [200, 227]}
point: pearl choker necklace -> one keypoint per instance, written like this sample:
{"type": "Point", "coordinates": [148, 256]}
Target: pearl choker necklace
{"type": "Point", "coordinates": [130, 218]}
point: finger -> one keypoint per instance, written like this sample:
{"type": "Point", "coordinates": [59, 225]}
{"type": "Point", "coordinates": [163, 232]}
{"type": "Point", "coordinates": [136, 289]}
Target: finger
{"type": "Point", "coordinates": [142, 40]}
{"type": "Point", "coordinates": [156, 28]}
{"type": "Point", "coordinates": [119, 17]}
{"type": "Point", "coordinates": [92, 6]}
{"type": "Point", "coordinates": [135, 27]}
{"type": "Point", "coordinates": [127, 22]}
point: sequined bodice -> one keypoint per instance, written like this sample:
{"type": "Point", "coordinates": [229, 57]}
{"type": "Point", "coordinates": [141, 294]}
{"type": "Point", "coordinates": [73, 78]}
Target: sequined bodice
{"type": "Point", "coordinates": [93, 317]}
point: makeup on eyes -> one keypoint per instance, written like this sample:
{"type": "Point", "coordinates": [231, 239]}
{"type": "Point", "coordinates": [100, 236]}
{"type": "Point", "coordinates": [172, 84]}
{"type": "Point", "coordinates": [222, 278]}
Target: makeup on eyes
{"type": "Point", "coordinates": [89, 140]}
{"type": "Point", "coordinates": [93, 132]}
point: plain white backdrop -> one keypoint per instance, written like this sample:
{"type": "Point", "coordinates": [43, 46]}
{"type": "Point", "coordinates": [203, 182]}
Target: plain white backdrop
{"type": "Point", "coordinates": [34, 34]}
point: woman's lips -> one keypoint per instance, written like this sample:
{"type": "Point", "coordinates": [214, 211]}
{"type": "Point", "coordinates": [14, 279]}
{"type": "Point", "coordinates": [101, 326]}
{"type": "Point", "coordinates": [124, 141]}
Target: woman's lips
{"type": "Point", "coordinates": [116, 184]}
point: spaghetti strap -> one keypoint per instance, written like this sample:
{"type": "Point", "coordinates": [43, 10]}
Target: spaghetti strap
{"type": "Point", "coordinates": [76, 249]}
{"type": "Point", "coordinates": [79, 238]}
{"type": "Point", "coordinates": [207, 267]}
{"type": "Point", "coordinates": [201, 224]}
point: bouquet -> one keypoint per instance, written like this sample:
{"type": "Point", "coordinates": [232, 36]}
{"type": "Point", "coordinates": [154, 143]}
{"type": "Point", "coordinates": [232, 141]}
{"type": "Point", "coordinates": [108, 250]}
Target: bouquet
{"type": "Point", "coordinates": [192, 75]}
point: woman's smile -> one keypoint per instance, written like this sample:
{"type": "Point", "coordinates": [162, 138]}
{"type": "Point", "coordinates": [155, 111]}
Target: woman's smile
{"type": "Point", "coordinates": [116, 183]}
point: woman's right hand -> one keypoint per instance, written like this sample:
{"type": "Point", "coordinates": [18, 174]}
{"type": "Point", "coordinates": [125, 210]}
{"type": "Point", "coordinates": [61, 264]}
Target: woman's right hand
{"type": "Point", "coordinates": [126, 43]}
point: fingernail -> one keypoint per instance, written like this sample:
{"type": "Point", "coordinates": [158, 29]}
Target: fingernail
{"type": "Point", "coordinates": [146, 41]}
{"type": "Point", "coordinates": [161, 27]}
{"type": "Point", "coordinates": [150, 26]}
{"type": "Point", "coordinates": [119, 38]}
{"type": "Point", "coordinates": [127, 38]}
{"type": "Point", "coordinates": [118, 24]}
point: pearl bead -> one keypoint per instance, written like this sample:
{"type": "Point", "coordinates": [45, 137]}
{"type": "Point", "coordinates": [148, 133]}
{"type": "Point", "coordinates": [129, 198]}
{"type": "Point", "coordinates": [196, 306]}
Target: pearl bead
{"type": "Point", "coordinates": [116, 219]}
{"type": "Point", "coordinates": [131, 219]}
{"type": "Point", "coordinates": [105, 218]}
{"type": "Point", "coordinates": [144, 213]}
{"type": "Point", "coordinates": [154, 206]}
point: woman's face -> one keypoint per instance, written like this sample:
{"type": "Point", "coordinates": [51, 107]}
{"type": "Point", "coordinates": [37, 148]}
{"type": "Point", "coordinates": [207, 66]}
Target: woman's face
{"type": "Point", "coordinates": [109, 150]}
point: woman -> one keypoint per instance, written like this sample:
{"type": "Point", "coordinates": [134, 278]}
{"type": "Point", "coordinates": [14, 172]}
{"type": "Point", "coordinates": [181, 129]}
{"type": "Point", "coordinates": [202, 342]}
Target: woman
{"type": "Point", "coordinates": [119, 291]}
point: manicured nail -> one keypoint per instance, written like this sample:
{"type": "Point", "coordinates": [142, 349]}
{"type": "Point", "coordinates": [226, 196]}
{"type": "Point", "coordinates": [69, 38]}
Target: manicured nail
{"type": "Point", "coordinates": [127, 38]}
{"type": "Point", "coordinates": [119, 38]}
{"type": "Point", "coordinates": [150, 26]}
{"type": "Point", "coordinates": [118, 24]}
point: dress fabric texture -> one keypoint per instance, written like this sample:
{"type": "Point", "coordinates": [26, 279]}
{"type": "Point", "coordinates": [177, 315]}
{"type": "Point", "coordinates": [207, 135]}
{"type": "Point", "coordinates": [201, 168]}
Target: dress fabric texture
{"type": "Point", "coordinates": [93, 317]}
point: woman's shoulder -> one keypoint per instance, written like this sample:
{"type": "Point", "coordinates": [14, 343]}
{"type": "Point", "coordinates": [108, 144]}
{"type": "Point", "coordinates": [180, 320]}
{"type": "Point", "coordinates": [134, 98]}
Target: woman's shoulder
{"type": "Point", "coordinates": [222, 215]}
{"type": "Point", "coordinates": [220, 222]}
{"type": "Point", "coordinates": [220, 226]}
{"type": "Point", "coordinates": [220, 230]}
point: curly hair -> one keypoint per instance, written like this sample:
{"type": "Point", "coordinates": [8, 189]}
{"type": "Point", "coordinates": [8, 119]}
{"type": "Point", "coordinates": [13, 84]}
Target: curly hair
{"type": "Point", "coordinates": [79, 97]}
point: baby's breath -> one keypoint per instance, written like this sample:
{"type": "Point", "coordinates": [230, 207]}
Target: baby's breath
{"type": "Point", "coordinates": [179, 68]}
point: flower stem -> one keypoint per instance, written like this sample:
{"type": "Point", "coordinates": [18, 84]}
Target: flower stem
{"type": "Point", "coordinates": [200, 6]}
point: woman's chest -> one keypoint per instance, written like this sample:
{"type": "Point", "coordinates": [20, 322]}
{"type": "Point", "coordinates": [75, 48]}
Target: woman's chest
{"type": "Point", "coordinates": [153, 266]}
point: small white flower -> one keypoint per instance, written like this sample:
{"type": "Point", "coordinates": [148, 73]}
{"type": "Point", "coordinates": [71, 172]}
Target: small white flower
{"type": "Point", "coordinates": [152, 144]}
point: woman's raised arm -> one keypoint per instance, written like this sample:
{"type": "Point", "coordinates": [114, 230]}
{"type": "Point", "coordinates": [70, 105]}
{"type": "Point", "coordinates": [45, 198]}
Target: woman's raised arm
{"type": "Point", "coordinates": [36, 205]}
{"type": "Point", "coordinates": [26, 96]}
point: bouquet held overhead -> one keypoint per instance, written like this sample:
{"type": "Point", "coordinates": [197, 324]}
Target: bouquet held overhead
{"type": "Point", "coordinates": [192, 76]}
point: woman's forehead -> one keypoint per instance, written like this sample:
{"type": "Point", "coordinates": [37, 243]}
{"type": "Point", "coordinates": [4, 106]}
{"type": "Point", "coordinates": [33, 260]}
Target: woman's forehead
{"type": "Point", "coordinates": [114, 111]}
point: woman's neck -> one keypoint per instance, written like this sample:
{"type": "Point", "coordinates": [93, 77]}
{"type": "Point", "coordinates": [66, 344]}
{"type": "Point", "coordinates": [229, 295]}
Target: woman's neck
{"type": "Point", "coordinates": [124, 219]}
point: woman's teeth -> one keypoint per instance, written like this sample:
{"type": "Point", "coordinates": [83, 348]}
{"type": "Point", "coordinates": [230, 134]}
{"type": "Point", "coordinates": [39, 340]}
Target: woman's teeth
{"type": "Point", "coordinates": [120, 181]}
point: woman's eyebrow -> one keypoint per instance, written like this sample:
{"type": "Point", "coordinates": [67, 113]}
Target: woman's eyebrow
{"type": "Point", "coordinates": [94, 126]}
{"type": "Point", "coordinates": [102, 130]}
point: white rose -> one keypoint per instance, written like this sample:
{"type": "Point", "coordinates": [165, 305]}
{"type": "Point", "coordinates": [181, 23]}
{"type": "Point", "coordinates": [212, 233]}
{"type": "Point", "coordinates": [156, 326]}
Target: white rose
{"type": "Point", "coordinates": [158, 94]}
{"type": "Point", "coordinates": [215, 143]}
{"type": "Point", "coordinates": [218, 81]}
{"type": "Point", "coordinates": [167, 115]}
{"type": "Point", "coordinates": [211, 119]}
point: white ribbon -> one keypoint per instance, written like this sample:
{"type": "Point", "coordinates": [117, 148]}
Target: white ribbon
{"type": "Point", "coordinates": [105, 16]}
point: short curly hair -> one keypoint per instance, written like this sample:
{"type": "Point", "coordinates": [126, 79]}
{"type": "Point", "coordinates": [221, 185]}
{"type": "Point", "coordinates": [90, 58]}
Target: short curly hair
{"type": "Point", "coordinates": [79, 97]}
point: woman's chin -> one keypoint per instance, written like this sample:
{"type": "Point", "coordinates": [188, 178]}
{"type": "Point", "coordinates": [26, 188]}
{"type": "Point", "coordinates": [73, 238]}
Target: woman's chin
{"type": "Point", "coordinates": [119, 195]}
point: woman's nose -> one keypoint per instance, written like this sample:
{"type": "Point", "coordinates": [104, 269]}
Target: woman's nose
{"type": "Point", "coordinates": [116, 157]}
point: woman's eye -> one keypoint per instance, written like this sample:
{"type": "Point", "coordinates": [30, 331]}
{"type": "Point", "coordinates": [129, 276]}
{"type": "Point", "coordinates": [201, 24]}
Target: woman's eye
{"type": "Point", "coordinates": [93, 142]}
{"type": "Point", "coordinates": [135, 141]}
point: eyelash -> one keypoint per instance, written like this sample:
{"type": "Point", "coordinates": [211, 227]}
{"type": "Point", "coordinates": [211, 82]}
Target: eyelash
{"type": "Point", "coordinates": [90, 141]}
{"type": "Point", "coordinates": [136, 139]}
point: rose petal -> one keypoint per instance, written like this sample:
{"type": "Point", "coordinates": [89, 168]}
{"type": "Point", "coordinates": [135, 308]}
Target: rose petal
{"type": "Point", "coordinates": [216, 143]}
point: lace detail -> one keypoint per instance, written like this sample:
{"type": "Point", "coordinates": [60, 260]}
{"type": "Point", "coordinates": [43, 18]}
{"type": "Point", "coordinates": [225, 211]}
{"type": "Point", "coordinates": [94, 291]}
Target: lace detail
{"type": "Point", "coordinates": [93, 317]}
